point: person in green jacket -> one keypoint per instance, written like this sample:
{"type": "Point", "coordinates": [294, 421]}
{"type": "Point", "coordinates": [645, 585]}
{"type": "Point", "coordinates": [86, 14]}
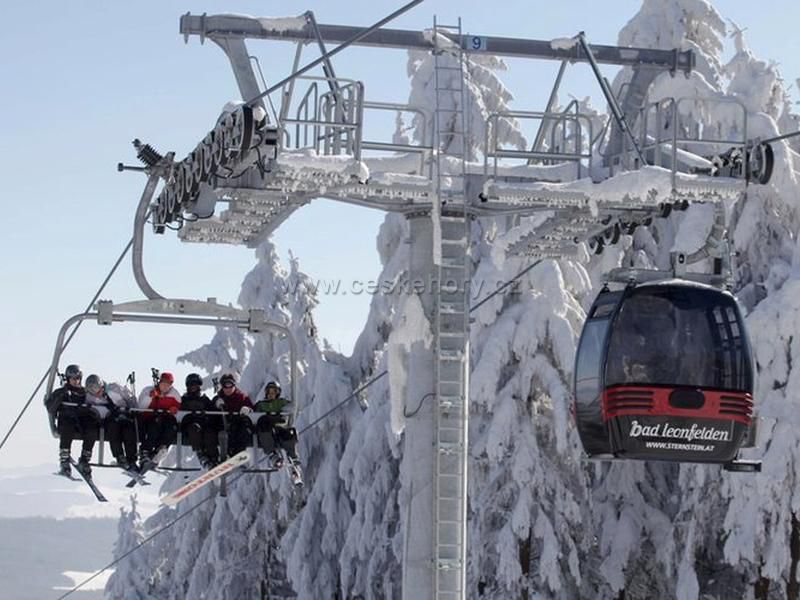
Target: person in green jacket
{"type": "Point", "coordinates": [273, 428]}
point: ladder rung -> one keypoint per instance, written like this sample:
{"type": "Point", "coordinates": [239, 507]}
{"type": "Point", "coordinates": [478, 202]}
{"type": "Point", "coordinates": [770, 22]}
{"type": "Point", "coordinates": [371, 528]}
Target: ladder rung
{"type": "Point", "coordinates": [450, 381]}
{"type": "Point", "coordinates": [451, 310]}
{"type": "Point", "coordinates": [450, 446]}
{"type": "Point", "coordinates": [450, 429]}
{"type": "Point", "coordinates": [448, 407]}
{"type": "Point", "coordinates": [449, 452]}
{"type": "Point", "coordinates": [449, 89]}
{"type": "Point", "coordinates": [448, 564]}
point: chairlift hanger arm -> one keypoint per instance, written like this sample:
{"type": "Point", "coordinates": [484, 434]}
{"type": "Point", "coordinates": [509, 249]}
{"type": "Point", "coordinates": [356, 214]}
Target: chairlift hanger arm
{"type": "Point", "coordinates": [220, 26]}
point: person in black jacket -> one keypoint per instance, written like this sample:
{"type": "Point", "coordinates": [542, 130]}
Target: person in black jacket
{"type": "Point", "coordinates": [202, 430]}
{"type": "Point", "coordinates": [238, 424]}
{"type": "Point", "coordinates": [67, 407]}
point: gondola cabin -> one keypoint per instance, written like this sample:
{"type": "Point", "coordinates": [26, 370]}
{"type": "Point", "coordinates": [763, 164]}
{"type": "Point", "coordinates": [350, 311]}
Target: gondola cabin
{"type": "Point", "coordinates": [664, 372]}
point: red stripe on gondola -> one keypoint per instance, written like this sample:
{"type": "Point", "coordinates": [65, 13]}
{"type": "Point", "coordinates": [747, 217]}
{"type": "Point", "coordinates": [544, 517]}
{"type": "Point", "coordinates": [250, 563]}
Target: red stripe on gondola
{"type": "Point", "coordinates": [631, 400]}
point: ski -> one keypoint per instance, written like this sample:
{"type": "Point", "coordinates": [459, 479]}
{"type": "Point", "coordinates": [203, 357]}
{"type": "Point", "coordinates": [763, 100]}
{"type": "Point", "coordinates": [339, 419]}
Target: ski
{"type": "Point", "coordinates": [65, 476]}
{"type": "Point", "coordinates": [136, 477]}
{"type": "Point", "coordinates": [295, 474]}
{"type": "Point", "coordinates": [221, 469]}
{"type": "Point", "coordinates": [95, 490]}
{"type": "Point", "coordinates": [151, 465]}
{"type": "Point", "coordinates": [139, 477]}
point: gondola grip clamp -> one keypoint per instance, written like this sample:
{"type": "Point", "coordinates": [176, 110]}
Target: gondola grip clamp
{"type": "Point", "coordinates": [105, 312]}
{"type": "Point", "coordinates": [258, 321]}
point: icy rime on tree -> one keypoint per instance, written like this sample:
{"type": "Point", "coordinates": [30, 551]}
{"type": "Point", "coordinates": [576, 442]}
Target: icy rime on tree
{"type": "Point", "coordinates": [541, 521]}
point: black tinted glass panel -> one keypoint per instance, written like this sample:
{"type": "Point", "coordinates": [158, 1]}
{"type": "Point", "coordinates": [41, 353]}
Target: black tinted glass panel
{"type": "Point", "coordinates": [587, 367]}
{"type": "Point", "coordinates": [676, 335]}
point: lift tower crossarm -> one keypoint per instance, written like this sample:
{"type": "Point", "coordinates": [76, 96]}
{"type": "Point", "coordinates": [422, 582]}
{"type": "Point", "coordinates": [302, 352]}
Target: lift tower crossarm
{"type": "Point", "coordinates": [230, 26]}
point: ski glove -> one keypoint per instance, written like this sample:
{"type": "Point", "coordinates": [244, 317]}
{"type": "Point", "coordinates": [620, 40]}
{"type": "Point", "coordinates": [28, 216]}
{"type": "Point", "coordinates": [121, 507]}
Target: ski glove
{"type": "Point", "coordinates": [220, 404]}
{"type": "Point", "coordinates": [245, 410]}
{"type": "Point", "coordinates": [173, 410]}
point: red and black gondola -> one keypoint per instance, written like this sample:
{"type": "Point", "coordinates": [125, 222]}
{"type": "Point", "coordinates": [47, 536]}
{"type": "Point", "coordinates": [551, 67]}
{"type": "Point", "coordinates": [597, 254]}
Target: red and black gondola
{"type": "Point", "coordinates": [664, 371]}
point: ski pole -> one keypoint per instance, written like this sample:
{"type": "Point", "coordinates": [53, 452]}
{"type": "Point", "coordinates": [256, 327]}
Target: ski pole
{"type": "Point", "coordinates": [132, 380]}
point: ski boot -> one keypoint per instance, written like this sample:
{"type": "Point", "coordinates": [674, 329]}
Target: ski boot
{"type": "Point", "coordinates": [205, 462]}
{"type": "Point", "coordinates": [83, 464]}
{"type": "Point", "coordinates": [64, 467]}
{"type": "Point", "coordinates": [295, 472]}
{"type": "Point", "coordinates": [275, 460]}
{"type": "Point", "coordinates": [147, 463]}
{"type": "Point", "coordinates": [126, 465]}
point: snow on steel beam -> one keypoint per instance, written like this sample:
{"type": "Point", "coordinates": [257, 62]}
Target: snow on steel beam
{"type": "Point", "coordinates": [220, 26]}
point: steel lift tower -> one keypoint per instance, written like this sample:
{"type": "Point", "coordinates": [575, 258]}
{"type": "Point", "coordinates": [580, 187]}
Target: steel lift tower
{"type": "Point", "coordinates": [252, 170]}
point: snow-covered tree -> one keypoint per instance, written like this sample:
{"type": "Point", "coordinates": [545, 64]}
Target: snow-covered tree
{"type": "Point", "coordinates": [542, 523]}
{"type": "Point", "coordinates": [125, 583]}
{"type": "Point", "coordinates": [484, 94]}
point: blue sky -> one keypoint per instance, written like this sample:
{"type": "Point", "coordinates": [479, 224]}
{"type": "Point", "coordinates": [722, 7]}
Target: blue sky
{"type": "Point", "coordinates": [81, 80]}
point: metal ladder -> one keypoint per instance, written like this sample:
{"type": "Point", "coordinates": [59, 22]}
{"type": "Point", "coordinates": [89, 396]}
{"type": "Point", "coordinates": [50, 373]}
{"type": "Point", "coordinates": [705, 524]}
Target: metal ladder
{"type": "Point", "coordinates": [451, 229]}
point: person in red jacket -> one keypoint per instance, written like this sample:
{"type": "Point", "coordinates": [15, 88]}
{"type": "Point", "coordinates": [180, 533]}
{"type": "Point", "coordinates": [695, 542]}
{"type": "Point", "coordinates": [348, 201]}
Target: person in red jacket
{"type": "Point", "coordinates": [233, 400]}
{"type": "Point", "coordinates": [159, 428]}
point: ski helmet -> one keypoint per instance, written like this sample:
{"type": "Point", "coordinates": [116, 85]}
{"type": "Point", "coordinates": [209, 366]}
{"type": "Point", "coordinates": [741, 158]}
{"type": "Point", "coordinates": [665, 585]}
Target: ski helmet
{"type": "Point", "coordinates": [194, 379]}
{"type": "Point", "coordinates": [227, 380]}
{"type": "Point", "coordinates": [73, 372]}
{"type": "Point", "coordinates": [168, 377]}
{"type": "Point", "coordinates": [94, 385]}
{"type": "Point", "coordinates": [273, 385]}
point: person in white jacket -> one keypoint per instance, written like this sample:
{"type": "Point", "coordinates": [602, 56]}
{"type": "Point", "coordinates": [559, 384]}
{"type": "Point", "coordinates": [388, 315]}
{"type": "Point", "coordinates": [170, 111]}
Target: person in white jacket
{"type": "Point", "coordinates": [112, 403]}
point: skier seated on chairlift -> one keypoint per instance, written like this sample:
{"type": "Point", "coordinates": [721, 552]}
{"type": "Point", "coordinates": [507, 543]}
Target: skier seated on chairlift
{"type": "Point", "coordinates": [233, 400]}
{"type": "Point", "coordinates": [112, 401]}
{"type": "Point", "coordinates": [160, 427]}
{"type": "Point", "coordinates": [73, 421]}
{"type": "Point", "coordinates": [200, 429]}
{"type": "Point", "coordinates": [273, 428]}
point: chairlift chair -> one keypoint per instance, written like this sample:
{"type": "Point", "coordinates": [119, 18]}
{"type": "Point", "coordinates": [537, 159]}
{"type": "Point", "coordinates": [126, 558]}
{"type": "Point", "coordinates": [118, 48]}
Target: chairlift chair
{"type": "Point", "coordinates": [184, 312]}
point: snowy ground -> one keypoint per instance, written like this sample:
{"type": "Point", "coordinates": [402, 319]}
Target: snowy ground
{"type": "Point", "coordinates": [36, 492]}
{"type": "Point", "coordinates": [54, 534]}
{"type": "Point", "coordinates": [40, 555]}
